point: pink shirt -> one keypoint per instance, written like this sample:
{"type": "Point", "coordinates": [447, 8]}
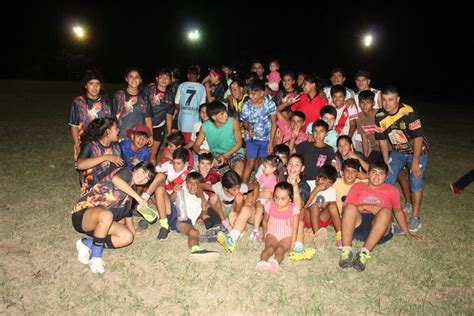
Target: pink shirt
{"type": "Point", "coordinates": [386, 196]}
{"type": "Point", "coordinates": [285, 133]}
{"type": "Point", "coordinates": [279, 223]}
{"type": "Point", "coordinates": [274, 76]}
{"type": "Point", "coordinates": [267, 183]}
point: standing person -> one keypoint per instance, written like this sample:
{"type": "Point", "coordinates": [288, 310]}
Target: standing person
{"type": "Point", "coordinates": [130, 106]}
{"type": "Point", "coordinates": [462, 182]}
{"type": "Point", "coordinates": [100, 152]}
{"type": "Point", "coordinates": [216, 85]}
{"type": "Point", "coordinates": [362, 81]}
{"type": "Point", "coordinates": [257, 67]}
{"type": "Point", "coordinates": [310, 102]}
{"type": "Point", "coordinates": [300, 81]}
{"type": "Point", "coordinates": [237, 98]}
{"type": "Point", "coordinates": [88, 107]}
{"type": "Point", "coordinates": [189, 96]}
{"type": "Point", "coordinates": [338, 77]}
{"type": "Point", "coordinates": [399, 123]}
{"type": "Point", "coordinates": [160, 97]}
{"type": "Point", "coordinates": [105, 214]}
{"type": "Point", "coordinates": [259, 119]}
{"type": "Point", "coordinates": [346, 115]}
{"type": "Point", "coordinates": [175, 82]}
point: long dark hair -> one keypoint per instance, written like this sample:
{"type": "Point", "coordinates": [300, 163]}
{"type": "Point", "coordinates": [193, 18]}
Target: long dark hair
{"type": "Point", "coordinates": [96, 129]}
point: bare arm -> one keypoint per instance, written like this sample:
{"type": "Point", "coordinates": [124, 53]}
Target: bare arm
{"type": "Point", "coordinates": [76, 141]}
{"type": "Point", "coordinates": [169, 123]}
{"type": "Point", "coordinates": [87, 163]}
{"type": "Point", "coordinates": [294, 232]}
{"type": "Point", "coordinates": [352, 127]}
{"type": "Point", "coordinates": [198, 141]}
{"type": "Point", "coordinates": [272, 133]}
{"type": "Point", "coordinates": [238, 140]}
{"type": "Point", "coordinates": [365, 144]}
{"type": "Point", "coordinates": [123, 186]}
{"type": "Point", "coordinates": [415, 167]}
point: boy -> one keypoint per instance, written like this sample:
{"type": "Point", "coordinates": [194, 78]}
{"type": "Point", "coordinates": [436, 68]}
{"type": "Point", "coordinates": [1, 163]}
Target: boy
{"type": "Point", "coordinates": [223, 136]}
{"type": "Point", "coordinates": [362, 81]}
{"type": "Point", "coordinates": [400, 124]}
{"type": "Point", "coordinates": [367, 216]}
{"type": "Point", "coordinates": [259, 119]}
{"type": "Point", "coordinates": [175, 140]}
{"type": "Point", "coordinates": [366, 126]}
{"type": "Point", "coordinates": [315, 154]}
{"type": "Point", "coordinates": [171, 174]}
{"type": "Point", "coordinates": [293, 126]}
{"type": "Point", "coordinates": [194, 200]}
{"type": "Point", "coordinates": [134, 149]}
{"type": "Point", "coordinates": [350, 170]}
{"type": "Point", "coordinates": [190, 95]}
{"type": "Point", "coordinates": [328, 114]}
{"type": "Point", "coordinates": [338, 77]}
{"type": "Point", "coordinates": [322, 207]}
{"type": "Point", "coordinates": [346, 115]}
{"type": "Point", "coordinates": [238, 98]}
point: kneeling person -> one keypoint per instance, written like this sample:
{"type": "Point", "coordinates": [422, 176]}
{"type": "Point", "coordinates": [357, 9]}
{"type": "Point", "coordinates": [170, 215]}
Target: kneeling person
{"type": "Point", "coordinates": [367, 215]}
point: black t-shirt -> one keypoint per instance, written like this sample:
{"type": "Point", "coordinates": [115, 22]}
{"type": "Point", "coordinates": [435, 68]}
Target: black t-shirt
{"type": "Point", "coordinates": [106, 195]}
{"type": "Point", "coordinates": [219, 92]}
{"type": "Point", "coordinates": [85, 110]}
{"type": "Point", "coordinates": [130, 110]}
{"type": "Point", "coordinates": [314, 158]}
{"type": "Point", "coordinates": [95, 174]}
{"type": "Point", "coordinates": [162, 103]}
{"type": "Point", "coordinates": [400, 128]}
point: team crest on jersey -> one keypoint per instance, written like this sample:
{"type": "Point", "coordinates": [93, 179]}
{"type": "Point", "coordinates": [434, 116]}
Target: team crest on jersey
{"type": "Point", "coordinates": [414, 125]}
{"type": "Point", "coordinates": [403, 125]}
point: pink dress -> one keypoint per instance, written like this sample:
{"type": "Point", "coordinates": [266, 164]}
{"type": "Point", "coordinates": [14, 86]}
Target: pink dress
{"type": "Point", "coordinates": [279, 223]}
{"type": "Point", "coordinates": [267, 183]}
{"type": "Point", "coordinates": [274, 76]}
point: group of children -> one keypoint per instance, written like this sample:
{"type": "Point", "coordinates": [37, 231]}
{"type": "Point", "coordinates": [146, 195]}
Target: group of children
{"type": "Point", "coordinates": [289, 162]}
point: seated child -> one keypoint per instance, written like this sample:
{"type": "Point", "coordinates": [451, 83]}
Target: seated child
{"type": "Point", "coordinates": [272, 173]}
{"type": "Point", "coordinates": [291, 129]}
{"type": "Point", "coordinates": [190, 204]}
{"type": "Point", "coordinates": [134, 149]}
{"type": "Point", "coordinates": [350, 171]}
{"type": "Point", "coordinates": [281, 151]}
{"type": "Point", "coordinates": [196, 128]}
{"type": "Point", "coordinates": [104, 213]}
{"type": "Point", "coordinates": [322, 207]}
{"type": "Point", "coordinates": [346, 115]}
{"type": "Point", "coordinates": [367, 216]}
{"type": "Point", "coordinates": [345, 150]}
{"type": "Point", "coordinates": [175, 140]}
{"type": "Point", "coordinates": [223, 136]}
{"type": "Point", "coordinates": [281, 218]}
{"type": "Point", "coordinates": [328, 114]}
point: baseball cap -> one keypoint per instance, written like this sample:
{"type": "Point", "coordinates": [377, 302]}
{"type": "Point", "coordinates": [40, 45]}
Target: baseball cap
{"type": "Point", "coordinates": [140, 128]}
{"type": "Point", "coordinates": [362, 73]}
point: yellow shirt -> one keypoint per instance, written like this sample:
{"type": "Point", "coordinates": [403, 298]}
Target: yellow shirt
{"type": "Point", "coordinates": [341, 191]}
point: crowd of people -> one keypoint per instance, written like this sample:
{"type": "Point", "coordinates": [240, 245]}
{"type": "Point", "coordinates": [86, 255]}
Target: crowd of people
{"type": "Point", "coordinates": [281, 153]}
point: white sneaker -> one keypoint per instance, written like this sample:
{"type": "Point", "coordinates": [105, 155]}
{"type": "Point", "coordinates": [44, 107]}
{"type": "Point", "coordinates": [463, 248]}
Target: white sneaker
{"type": "Point", "coordinates": [97, 265]}
{"type": "Point", "coordinates": [83, 252]}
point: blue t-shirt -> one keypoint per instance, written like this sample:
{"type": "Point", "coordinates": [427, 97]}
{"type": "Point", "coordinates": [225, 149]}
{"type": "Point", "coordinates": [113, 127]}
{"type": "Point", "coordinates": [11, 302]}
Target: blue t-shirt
{"type": "Point", "coordinates": [130, 157]}
{"type": "Point", "coordinates": [190, 96]}
{"type": "Point", "coordinates": [259, 118]}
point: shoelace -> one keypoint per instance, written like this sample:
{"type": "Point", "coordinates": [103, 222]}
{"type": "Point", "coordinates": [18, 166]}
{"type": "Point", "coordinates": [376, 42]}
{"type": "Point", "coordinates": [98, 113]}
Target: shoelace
{"type": "Point", "coordinates": [345, 254]}
{"type": "Point", "coordinates": [364, 257]}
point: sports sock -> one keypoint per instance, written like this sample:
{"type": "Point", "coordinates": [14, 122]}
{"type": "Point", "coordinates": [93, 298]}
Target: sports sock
{"type": "Point", "coordinates": [347, 248]}
{"type": "Point", "coordinates": [235, 234]}
{"type": "Point", "coordinates": [87, 242]}
{"type": "Point", "coordinates": [164, 223]}
{"type": "Point", "coordinates": [367, 252]}
{"type": "Point", "coordinates": [97, 247]}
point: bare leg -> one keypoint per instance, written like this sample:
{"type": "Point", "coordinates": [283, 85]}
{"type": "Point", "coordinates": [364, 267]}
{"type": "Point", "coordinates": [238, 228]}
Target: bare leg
{"type": "Point", "coordinates": [249, 165]}
{"type": "Point", "coordinates": [336, 217]}
{"type": "Point", "coordinates": [270, 247]}
{"type": "Point", "coordinates": [154, 151]}
{"type": "Point", "coordinates": [380, 227]}
{"type": "Point", "coordinates": [239, 167]}
{"type": "Point", "coordinates": [191, 232]}
{"type": "Point", "coordinates": [258, 216]}
{"type": "Point", "coordinates": [242, 219]}
{"type": "Point", "coordinates": [314, 217]}
{"type": "Point", "coordinates": [282, 248]}
{"type": "Point", "coordinates": [351, 219]}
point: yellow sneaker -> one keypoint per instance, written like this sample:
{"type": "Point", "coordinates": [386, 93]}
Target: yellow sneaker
{"type": "Point", "coordinates": [306, 254]}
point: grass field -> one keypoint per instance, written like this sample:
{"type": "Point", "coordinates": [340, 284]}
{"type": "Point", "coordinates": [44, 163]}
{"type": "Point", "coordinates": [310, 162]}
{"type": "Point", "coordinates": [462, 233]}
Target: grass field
{"type": "Point", "coordinates": [40, 274]}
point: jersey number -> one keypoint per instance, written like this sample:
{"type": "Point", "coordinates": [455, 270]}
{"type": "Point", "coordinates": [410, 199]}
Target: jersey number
{"type": "Point", "coordinates": [191, 94]}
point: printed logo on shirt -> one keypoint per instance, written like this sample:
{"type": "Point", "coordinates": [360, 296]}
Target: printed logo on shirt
{"type": "Point", "coordinates": [369, 129]}
{"type": "Point", "coordinates": [372, 200]}
{"type": "Point", "coordinates": [321, 160]}
{"type": "Point", "coordinates": [403, 125]}
{"type": "Point", "coordinates": [414, 125]}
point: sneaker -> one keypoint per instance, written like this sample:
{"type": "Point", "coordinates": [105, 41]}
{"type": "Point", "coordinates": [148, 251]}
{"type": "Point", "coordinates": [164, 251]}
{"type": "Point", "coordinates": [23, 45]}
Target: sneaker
{"type": "Point", "coordinates": [320, 238]}
{"type": "Point", "coordinates": [263, 266]}
{"type": "Point", "coordinates": [83, 252]}
{"type": "Point", "coordinates": [218, 227]}
{"type": "Point", "coordinates": [96, 265]}
{"type": "Point", "coordinates": [346, 259]}
{"type": "Point", "coordinates": [414, 224]}
{"type": "Point", "coordinates": [142, 225]}
{"type": "Point", "coordinates": [227, 241]}
{"type": "Point", "coordinates": [273, 266]}
{"type": "Point", "coordinates": [254, 236]}
{"type": "Point", "coordinates": [454, 187]}
{"type": "Point", "coordinates": [408, 208]}
{"type": "Point", "coordinates": [148, 213]}
{"type": "Point", "coordinates": [396, 230]}
{"type": "Point", "coordinates": [208, 236]}
{"type": "Point", "coordinates": [305, 254]}
{"type": "Point", "coordinates": [203, 255]}
{"type": "Point", "coordinates": [360, 261]}
{"type": "Point", "coordinates": [163, 234]}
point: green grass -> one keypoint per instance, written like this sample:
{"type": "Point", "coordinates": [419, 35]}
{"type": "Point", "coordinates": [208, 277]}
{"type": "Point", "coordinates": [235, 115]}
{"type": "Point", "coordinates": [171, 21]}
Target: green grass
{"type": "Point", "coordinates": [39, 273]}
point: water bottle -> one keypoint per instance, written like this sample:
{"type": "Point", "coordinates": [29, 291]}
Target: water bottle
{"type": "Point", "coordinates": [181, 206]}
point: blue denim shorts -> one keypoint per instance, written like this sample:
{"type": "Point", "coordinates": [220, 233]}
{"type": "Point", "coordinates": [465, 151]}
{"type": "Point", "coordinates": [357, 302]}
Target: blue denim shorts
{"type": "Point", "coordinates": [398, 161]}
{"type": "Point", "coordinates": [173, 219]}
{"type": "Point", "coordinates": [256, 148]}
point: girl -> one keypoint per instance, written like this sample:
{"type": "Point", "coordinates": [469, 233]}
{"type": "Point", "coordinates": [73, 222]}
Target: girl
{"type": "Point", "coordinates": [130, 106]}
{"type": "Point", "coordinates": [100, 153]}
{"type": "Point", "coordinates": [161, 99]}
{"type": "Point", "coordinates": [281, 216]}
{"type": "Point", "coordinates": [105, 214]}
{"type": "Point", "coordinates": [345, 150]}
{"type": "Point", "coordinates": [90, 105]}
{"type": "Point", "coordinates": [273, 170]}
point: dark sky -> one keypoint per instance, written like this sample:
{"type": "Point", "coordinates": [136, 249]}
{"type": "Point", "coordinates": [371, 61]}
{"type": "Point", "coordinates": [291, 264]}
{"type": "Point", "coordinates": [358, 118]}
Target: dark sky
{"type": "Point", "coordinates": [425, 54]}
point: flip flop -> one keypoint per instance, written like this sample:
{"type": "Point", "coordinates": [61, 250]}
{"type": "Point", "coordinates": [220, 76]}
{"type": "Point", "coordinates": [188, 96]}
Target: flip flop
{"type": "Point", "coordinates": [149, 214]}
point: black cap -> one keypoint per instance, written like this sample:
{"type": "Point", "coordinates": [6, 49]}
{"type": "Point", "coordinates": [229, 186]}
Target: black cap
{"type": "Point", "coordinates": [363, 73]}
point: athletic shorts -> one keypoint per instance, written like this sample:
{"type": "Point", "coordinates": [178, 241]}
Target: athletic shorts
{"type": "Point", "coordinates": [362, 231]}
{"type": "Point", "coordinates": [159, 133]}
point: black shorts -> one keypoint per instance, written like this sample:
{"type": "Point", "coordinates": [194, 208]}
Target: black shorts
{"type": "Point", "coordinates": [362, 232]}
{"type": "Point", "coordinates": [159, 133]}
{"type": "Point", "coordinates": [77, 222]}
{"type": "Point", "coordinates": [175, 122]}
{"type": "Point", "coordinates": [375, 156]}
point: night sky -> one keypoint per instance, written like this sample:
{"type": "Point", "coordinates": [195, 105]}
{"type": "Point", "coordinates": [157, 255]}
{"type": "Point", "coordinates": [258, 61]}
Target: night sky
{"type": "Point", "coordinates": [425, 55]}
